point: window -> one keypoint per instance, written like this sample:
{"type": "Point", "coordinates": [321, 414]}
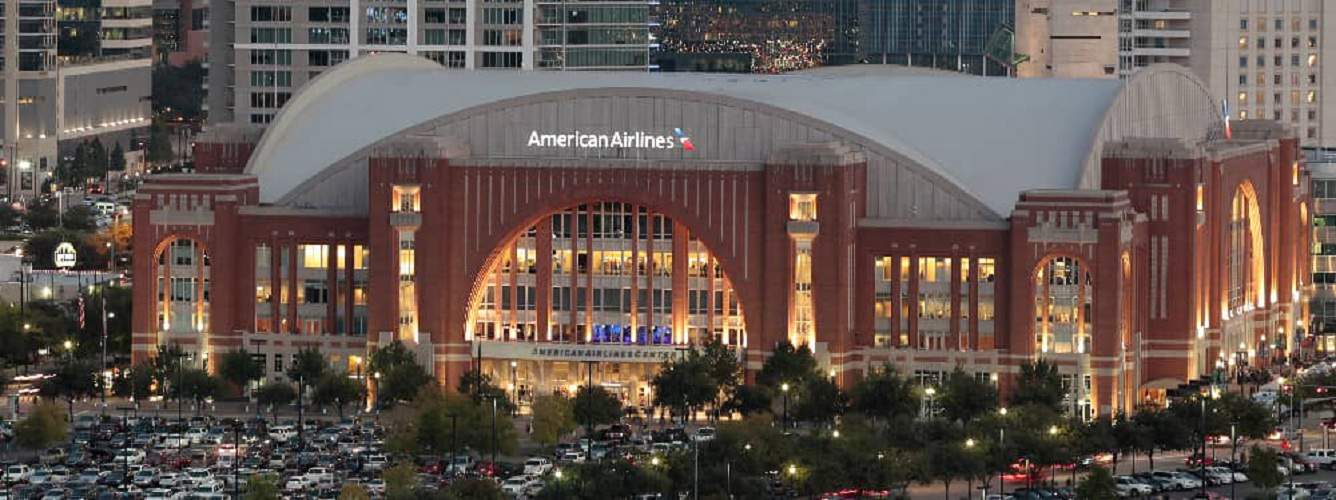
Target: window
{"type": "Point", "coordinates": [502, 38]}
{"type": "Point", "coordinates": [271, 35]}
{"type": "Point", "coordinates": [266, 13]}
{"type": "Point", "coordinates": [1243, 62]}
{"type": "Point", "coordinates": [434, 16]}
{"type": "Point", "coordinates": [508, 15]}
{"type": "Point", "coordinates": [502, 59]}
{"type": "Point", "coordinates": [386, 36]}
{"type": "Point", "coordinates": [456, 37]}
{"type": "Point", "coordinates": [391, 15]}
{"type": "Point", "coordinates": [1312, 24]}
{"type": "Point", "coordinates": [1243, 79]}
{"type": "Point", "coordinates": [1243, 24]}
{"type": "Point", "coordinates": [1261, 42]}
{"type": "Point", "coordinates": [1243, 42]}
{"type": "Point", "coordinates": [271, 78]}
{"type": "Point", "coordinates": [316, 292]}
{"type": "Point", "coordinates": [327, 35]}
{"type": "Point", "coordinates": [802, 206]}
{"type": "Point", "coordinates": [328, 15]}
{"type": "Point", "coordinates": [271, 57]}
{"type": "Point", "coordinates": [1312, 60]}
{"type": "Point", "coordinates": [269, 100]}
{"type": "Point", "coordinates": [1279, 24]}
{"type": "Point", "coordinates": [458, 15]}
{"type": "Point", "coordinates": [433, 37]}
{"type": "Point", "coordinates": [326, 57]}
{"type": "Point", "coordinates": [1312, 42]}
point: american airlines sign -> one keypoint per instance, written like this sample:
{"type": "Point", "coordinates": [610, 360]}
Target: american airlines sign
{"type": "Point", "coordinates": [615, 140]}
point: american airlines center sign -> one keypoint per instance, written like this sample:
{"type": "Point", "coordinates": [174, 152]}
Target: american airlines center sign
{"type": "Point", "coordinates": [616, 140]}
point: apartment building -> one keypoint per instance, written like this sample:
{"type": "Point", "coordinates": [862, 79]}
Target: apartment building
{"type": "Point", "coordinates": [265, 50]}
{"type": "Point", "coordinates": [83, 70]}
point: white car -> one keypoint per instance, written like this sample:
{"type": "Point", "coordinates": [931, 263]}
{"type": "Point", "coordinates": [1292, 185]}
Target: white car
{"type": "Point", "coordinates": [537, 466]}
{"type": "Point", "coordinates": [319, 474]}
{"type": "Point", "coordinates": [129, 456]}
{"type": "Point", "coordinates": [1126, 486]}
{"type": "Point", "coordinates": [572, 456]}
{"type": "Point", "coordinates": [196, 476]}
{"type": "Point", "coordinates": [296, 483]}
{"type": "Point", "coordinates": [518, 485]}
{"type": "Point", "coordinates": [282, 433]}
{"type": "Point", "coordinates": [703, 434]}
{"type": "Point", "coordinates": [17, 473]}
{"type": "Point", "coordinates": [1179, 480]}
{"type": "Point", "coordinates": [375, 463]}
{"type": "Point", "coordinates": [168, 479]}
{"type": "Point", "coordinates": [196, 435]}
{"type": "Point", "coordinates": [158, 494]}
{"type": "Point", "coordinates": [146, 477]}
{"type": "Point", "coordinates": [375, 486]}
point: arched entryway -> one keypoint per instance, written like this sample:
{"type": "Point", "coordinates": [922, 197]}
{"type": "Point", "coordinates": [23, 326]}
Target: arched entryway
{"type": "Point", "coordinates": [180, 288]}
{"type": "Point", "coordinates": [1063, 295]}
{"type": "Point", "coordinates": [1245, 278]}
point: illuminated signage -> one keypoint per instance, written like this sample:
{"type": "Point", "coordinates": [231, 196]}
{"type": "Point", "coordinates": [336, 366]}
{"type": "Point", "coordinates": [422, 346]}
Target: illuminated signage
{"type": "Point", "coordinates": [615, 140]}
{"type": "Point", "coordinates": [65, 255]}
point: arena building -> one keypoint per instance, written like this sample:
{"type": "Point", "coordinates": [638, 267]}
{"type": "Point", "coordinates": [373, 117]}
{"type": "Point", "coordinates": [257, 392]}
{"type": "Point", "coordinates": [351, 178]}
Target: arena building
{"type": "Point", "coordinates": [553, 227]}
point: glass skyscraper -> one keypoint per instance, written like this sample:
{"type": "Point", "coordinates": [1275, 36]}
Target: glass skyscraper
{"type": "Point", "coordinates": [764, 36]}
{"type": "Point", "coordinates": [952, 35]}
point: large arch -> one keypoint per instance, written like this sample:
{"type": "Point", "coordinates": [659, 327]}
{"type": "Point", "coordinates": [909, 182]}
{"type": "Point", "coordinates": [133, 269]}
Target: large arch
{"type": "Point", "coordinates": [738, 257]}
{"type": "Point", "coordinates": [166, 256]}
{"type": "Point", "coordinates": [499, 254]}
{"type": "Point", "coordinates": [1063, 270]}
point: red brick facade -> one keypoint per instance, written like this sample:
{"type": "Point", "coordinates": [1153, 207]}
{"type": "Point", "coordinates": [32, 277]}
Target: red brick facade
{"type": "Point", "coordinates": [1156, 260]}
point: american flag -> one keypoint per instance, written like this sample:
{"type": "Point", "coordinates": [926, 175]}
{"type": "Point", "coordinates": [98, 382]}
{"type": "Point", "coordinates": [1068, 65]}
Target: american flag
{"type": "Point", "coordinates": [81, 313]}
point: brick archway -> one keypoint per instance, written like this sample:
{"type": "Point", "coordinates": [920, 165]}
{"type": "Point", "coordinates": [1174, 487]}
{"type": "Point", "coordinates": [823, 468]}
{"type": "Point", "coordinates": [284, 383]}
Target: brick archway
{"type": "Point", "coordinates": [506, 208]}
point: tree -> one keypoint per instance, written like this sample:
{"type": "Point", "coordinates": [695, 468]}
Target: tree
{"type": "Point", "coordinates": [822, 401]}
{"type": "Point", "coordinates": [437, 422]}
{"type": "Point", "coordinates": [553, 417]}
{"type": "Point", "coordinates": [159, 144]}
{"type": "Point", "coordinates": [45, 425]}
{"type": "Point", "coordinates": [308, 365]}
{"type": "Point", "coordinates": [336, 389]}
{"type": "Point", "coordinates": [117, 161]}
{"type": "Point", "coordinates": [964, 397]}
{"type": "Point", "coordinates": [1039, 384]}
{"type": "Point", "coordinates": [683, 383]}
{"type": "Point", "coordinates": [73, 380]}
{"type": "Point", "coordinates": [262, 487]}
{"type": "Point", "coordinates": [885, 396]}
{"type": "Point", "coordinates": [179, 91]}
{"type": "Point", "coordinates": [1263, 468]}
{"type": "Point", "coordinates": [595, 406]}
{"type": "Point", "coordinates": [398, 376]}
{"type": "Point", "coordinates": [948, 461]}
{"type": "Point", "coordinates": [353, 492]}
{"type": "Point", "coordinates": [473, 489]}
{"type": "Point", "coordinates": [275, 395]}
{"type": "Point", "coordinates": [239, 368]}
{"type": "Point", "coordinates": [723, 367]}
{"type": "Point", "coordinates": [1097, 485]}
{"type": "Point", "coordinates": [749, 400]}
{"type": "Point", "coordinates": [197, 385]}
{"type": "Point", "coordinates": [479, 386]}
{"type": "Point", "coordinates": [400, 481]}
{"type": "Point", "coordinates": [787, 364]}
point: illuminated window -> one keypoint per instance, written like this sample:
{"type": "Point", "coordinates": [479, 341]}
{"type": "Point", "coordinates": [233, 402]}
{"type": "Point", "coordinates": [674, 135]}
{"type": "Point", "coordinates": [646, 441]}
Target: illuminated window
{"type": "Point", "coordinates": [1201, 198]}
{"type": "Point", "coordinates": [315, 256]}
{"type": "Point", "coordinates": [1312, 60]}
{"type": "Point", "coordinates": [802, 206]}
{"type": "Point", "coordinates": [1243, 42]}
{"type": "Point", "coordinates": [406, 199]}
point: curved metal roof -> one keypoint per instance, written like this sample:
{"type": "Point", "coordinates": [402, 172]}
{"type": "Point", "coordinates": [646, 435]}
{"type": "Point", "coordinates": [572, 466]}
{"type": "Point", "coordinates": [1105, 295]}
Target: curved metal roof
{"type": "Point", "coordinates": [993, 137]}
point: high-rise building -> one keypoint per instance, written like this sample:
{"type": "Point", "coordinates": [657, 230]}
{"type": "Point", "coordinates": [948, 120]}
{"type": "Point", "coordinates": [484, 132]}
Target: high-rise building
{"type": "Point", "coordinates": [945, 34]}
{"type": "Point", "coordinates": [83, 70]}
{"type": "Point", "coordinates": [263, 51]}
{"type": "Point", "coordinates": [763, 36]}
{"type": "Point", "coordinates": [180, 28]}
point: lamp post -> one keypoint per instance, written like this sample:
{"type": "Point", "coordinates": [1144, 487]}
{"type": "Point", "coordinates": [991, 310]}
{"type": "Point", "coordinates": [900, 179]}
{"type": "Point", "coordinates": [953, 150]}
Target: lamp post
{"type": "Point", "coordinates": [784, 388]}
{"type": "Point", "coordinates": [969, 482]}
{"type": "Point", "coordinates": [927, 410]}
{"type": "Point", "coordinates": [515, 389]}
{"type": "Point", "coordinates": [1001, 438]}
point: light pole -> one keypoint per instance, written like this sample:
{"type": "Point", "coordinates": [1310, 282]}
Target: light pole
{"type": "Point", "coordinates": [930, 392]}
{"type": "Point", "coordinates": [1001, 438]}
{"type": "Point", "coordinates": [1233, 449]}
{"type": "Point", "coordinates": [969, 482]}
{"type": "Point", "coordinates": [515, 389]}
{"type": "Point", "coordinates": [784, 388]}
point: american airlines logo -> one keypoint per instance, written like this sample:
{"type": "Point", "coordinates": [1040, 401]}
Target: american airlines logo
{"type": "Point", "coordinates": [615, 140]}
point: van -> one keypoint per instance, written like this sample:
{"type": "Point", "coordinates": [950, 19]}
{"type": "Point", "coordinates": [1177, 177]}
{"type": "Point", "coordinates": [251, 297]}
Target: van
{"type": "Point", "coordinates": [1323, 459]}
{"type": "Point", "coordinates": [104, 208]}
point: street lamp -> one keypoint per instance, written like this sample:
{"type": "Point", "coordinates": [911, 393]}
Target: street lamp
{"type": "Point", "coordinates": [515, 388]}
{"type": "Point", "coordinates": [930, 392]}
{"type": "Point", "coordinates": [1001, 437]}
{"type": "Point", "coordinates": [784, 388]}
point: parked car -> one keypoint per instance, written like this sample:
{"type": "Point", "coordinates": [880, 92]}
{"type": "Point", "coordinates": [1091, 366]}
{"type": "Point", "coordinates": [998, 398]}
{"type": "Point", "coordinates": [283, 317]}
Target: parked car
{"type": "Point", "coordinates": [1126, 486]}
{"type": "Point", "coordinates": [537, 466]}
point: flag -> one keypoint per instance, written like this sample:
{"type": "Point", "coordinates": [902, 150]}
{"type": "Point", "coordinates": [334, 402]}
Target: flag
{"type": "Point", "coordinates": [81, 313]}
{"type": "Point", "coordinates": [1224, 114]}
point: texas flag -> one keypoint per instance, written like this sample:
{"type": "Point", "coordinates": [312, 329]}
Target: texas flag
{"type": "Point", "coordinates": [686, 141]}
{"type": "Point", "coordinates": [1224, 114]}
